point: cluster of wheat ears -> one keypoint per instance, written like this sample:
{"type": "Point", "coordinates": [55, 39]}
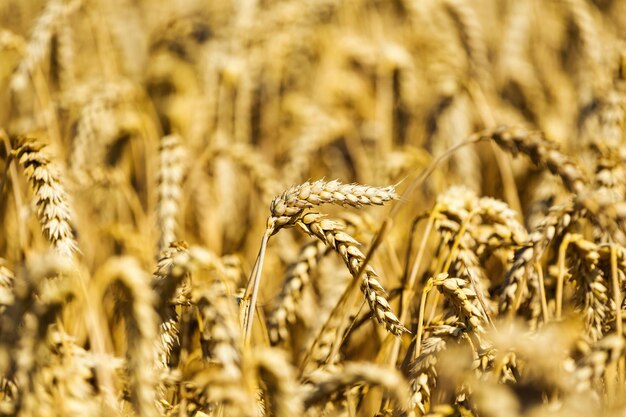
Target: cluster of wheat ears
{"type": "Point", "coordinates": [312, 208]}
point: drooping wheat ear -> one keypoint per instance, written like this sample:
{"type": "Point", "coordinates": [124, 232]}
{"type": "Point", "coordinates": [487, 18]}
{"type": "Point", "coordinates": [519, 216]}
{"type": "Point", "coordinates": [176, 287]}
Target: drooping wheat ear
{"type": "Point", "coordinates": [283, 397]}
{"type": "Point", "coordinates": [138, 307]}
{"type": "Point", "coordinates": [521, 273]}
{"type": "Point", "coordinates": [53, 208]}
{"type": "Point", "coordinates": [38, 47]}
{"type": "Point", "coordinates": [170, 188]}
{"type": "Point", "coordinates": [542, 152]}
{"type": "Point", "coordinates": [286, 207]}
{"type": "Point", "coordinates": [297, 278]}
{"type": "Point", "coordinates": [591, 294]}
{"type": "Point", "coordinates": [223, 382]}
{"type": "Point", "coordinates": [336, 379]}
{"type": "Point", "coordinates": [331, 233]}
{"type": "Point", "coordinates": [422, 372]}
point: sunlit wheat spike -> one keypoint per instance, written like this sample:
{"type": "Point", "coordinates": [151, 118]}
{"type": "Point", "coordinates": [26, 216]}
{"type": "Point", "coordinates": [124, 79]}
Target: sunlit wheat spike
{"type": "Point", "coordinates": [295, 200]}
{"type": "Point", "coordinates": [51, 199]}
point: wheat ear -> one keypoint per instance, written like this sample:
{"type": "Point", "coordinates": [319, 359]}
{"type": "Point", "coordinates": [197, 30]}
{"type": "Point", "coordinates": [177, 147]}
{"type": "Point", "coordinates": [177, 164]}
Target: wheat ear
{"type": "Point", "coordinates": [331, 233]}
{"type": "Point", "coordinates": [286, 207]}
{"type": "Point", "coordinates": [141, 325]}
{"type": "Point", "coordinates": [53, 208]}
{"type": "Point", "coordinates": [171, 174]}
{"type": "Point", "coordinates": [342, 377]}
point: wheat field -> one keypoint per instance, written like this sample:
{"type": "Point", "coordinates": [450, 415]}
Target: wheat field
{"type": "Point", "coordinates": [312, 208]}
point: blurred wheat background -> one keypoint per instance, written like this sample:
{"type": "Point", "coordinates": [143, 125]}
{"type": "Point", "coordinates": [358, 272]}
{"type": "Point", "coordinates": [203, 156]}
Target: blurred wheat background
{"type": "Point", "coordinates": [312, 208]}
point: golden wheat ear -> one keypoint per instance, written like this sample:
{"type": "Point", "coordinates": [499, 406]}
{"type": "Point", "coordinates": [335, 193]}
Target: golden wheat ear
{"type": "Point", "coordinates": [50, 197]}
